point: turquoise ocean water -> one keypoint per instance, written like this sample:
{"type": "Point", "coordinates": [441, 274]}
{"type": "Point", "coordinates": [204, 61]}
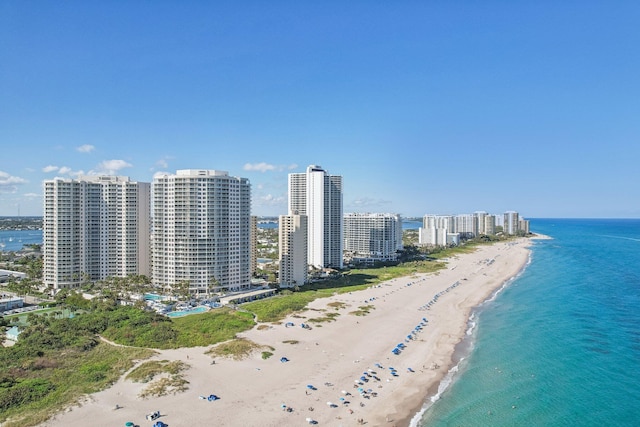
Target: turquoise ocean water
{"type": "Point", "coordinates": [560, 345]}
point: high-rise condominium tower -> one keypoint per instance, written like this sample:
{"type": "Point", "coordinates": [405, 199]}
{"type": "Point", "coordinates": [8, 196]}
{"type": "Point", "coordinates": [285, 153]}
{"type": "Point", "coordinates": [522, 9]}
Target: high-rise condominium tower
{"type": "Point", "coordinates": [94, 227]}
{"type": "Point", "coordinates": [511, 222]}
{"type": "Point", "coordinates": [201, 230]}
{"type": "Point", "coordinates": [371, 237]}
{"type": "Point", "coordinates": [293, 265]}
{"type": "Point", "coordinates": [318, 195]}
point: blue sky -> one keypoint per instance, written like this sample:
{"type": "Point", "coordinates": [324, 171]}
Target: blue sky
{"type": "Point", "coordinates": [422, 106]}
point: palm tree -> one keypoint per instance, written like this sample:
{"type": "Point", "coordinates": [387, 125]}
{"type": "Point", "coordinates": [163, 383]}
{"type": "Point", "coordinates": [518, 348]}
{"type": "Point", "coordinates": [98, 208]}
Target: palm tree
{"type": "Point", "coordinates": [181, 290]}
{"type": "Point", "coordinates": [214, 286]}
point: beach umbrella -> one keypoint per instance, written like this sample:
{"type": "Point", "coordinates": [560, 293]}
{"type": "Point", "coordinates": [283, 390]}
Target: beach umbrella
{"type": "Point", "coordinates": [129, 424]}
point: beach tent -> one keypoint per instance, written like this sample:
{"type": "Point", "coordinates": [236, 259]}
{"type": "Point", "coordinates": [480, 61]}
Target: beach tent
{"type": "Point", "coordinates": [284, 359]}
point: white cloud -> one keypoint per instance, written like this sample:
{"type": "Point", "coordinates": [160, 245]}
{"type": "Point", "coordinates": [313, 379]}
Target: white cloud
{"type": "Point", "coordinates": [110, 167]}
{"type": "Point", "coordinates": [9, 183]}
{"type": "Point", "coordinates": [261, 167]}
{"type": "Point", "coordinates": [86, 148]}
{"type": "Point", "coordinates": [32, 195]}
{"type": "Point", "coordinates": [50, 168]}
{"type": "Point", "coordinates": [162, 163]}
{"type": "Point", "coordinates": [62, 170]}
{"type": "Point", "coordinates": [270, 199]}
{"type": "Point", "coordinates": [264, 167]}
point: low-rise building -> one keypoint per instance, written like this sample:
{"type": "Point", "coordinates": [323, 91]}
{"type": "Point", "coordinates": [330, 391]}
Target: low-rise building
{"type": "Point", "coordinates": [11, 303]}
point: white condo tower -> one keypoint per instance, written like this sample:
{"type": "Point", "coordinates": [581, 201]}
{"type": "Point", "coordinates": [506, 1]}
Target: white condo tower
{"type": "Point", "coordinates": [318, 195]}
{"type": "Point", "coordinates": [202, 230]}
{"type": "Point", "coordinates": [94, 227]}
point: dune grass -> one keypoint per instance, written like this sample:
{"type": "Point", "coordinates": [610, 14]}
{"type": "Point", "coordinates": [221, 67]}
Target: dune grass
{"type": "Point", "coordinates": [171, 380]}
{"type": "Point", "coordinates": [237, 349]}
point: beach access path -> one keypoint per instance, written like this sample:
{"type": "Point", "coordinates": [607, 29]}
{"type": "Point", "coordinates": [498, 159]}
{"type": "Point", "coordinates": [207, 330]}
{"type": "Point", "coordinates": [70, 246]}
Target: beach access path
{"type": "Point", "coordinates": [338, 373]}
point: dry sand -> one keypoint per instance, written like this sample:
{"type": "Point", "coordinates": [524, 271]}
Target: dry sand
{"type": "Point", "coordinates": [331, 356]}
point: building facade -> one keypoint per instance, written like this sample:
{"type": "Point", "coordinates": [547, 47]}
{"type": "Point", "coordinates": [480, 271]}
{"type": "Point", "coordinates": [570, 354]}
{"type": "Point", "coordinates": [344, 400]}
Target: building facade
{"type": "Point", "coordinates": [292, 245]}
{"type": "Point", "coordinates": [372, 237]}
{"type": "Point", "coordinates": [318, 195]}
{"type": "Point", "coordinates": [94, 227]}
{"type": "Point", "coordinates": [489, 225]}
{"type": "Point", "coordinates": [511, 222]}
{"type": "Point", "coordinates": [202, 231]}
{"type": "Point", "coordinates": [253, 250]}
{"type": "Point", "coordinates": [466, 224]}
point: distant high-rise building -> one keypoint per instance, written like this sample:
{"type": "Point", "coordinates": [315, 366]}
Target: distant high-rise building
{"type": "Point", "coordinates": [94, 227]}
{"type": "Point", "coordinates": [466, 224]}
{"type": "Point", "coordinates": [439, 221]}
{"type": "Point", "coordinates": [371, 237]}
{"type": "Point", "coordinates": [318, 195]}
{"type": "Point", "coordinates": [489, 225]}
{"type": "Point", "coordinates": [511, 222]}
{"type": "Point", "coordinates": [292, 242]}
{"type": "Point", "coordinates": [480, 216]}
{"type": "Point", "coordinates": [202, 230]}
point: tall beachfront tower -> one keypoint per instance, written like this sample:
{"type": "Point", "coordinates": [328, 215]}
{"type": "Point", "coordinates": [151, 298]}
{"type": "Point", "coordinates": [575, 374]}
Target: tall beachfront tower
{"type": "Point", "coordinates": [292, 245]}
{"type": "Point", "coordinates": [94, 227]}
{"type": "Point", "coordinates": [202, 231]}
{"type": "Point", "coordinates": [318, 195]}
{"type": "Point", "coordinates": [511, 222]}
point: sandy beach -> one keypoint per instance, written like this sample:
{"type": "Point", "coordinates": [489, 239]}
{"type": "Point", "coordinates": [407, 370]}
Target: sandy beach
{"type": "Point", "coordinates": [338, 373]}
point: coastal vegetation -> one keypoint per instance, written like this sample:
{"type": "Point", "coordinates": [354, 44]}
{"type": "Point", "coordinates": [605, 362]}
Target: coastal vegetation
{"type": "Point", "coordinates": [57, 360]}
{"type": "Point", "coordinates": [147, 371]}
{"type": "Point", "coordinates": [237, 349]}
{"type": "Point", "coordinates": [170, 372]}
{"type": "Point", "coordinates": [329, 317]}
{"type": "Point", "coordinates": [362, 310]}
{"type": "Point", "coordinates": [32, 388]}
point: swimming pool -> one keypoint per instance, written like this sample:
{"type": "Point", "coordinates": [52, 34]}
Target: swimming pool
{"type": "Point", "coordinates": [153, 297]}
{"type": "Point", "coordinates": [181, 313]}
